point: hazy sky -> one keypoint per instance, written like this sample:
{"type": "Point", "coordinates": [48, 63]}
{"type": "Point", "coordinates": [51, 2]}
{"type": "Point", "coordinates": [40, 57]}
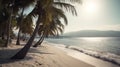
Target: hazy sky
{"type": "Point", "coordinates": [95, 15]}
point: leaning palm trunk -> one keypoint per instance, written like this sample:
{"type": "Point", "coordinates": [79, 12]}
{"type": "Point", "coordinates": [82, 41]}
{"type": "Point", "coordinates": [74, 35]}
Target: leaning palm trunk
{"type": "Point", "coordinates": [18, 38]}
{"type": "Point", "coordinates": [36, 44]}
{"type": "Point", "coordinates": [22, 53]}
{"type": "Point", "coordinates": [39, 42]}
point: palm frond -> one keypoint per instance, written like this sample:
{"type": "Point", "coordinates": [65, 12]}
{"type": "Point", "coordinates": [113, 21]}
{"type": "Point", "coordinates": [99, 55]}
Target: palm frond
{"type": "Point", "coordinates": [58, 13]}
{"type": "Point", "coordinates": [66, 6]}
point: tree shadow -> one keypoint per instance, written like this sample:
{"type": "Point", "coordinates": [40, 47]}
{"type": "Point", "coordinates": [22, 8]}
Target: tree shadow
{"type": "Point", "coordinates": [5, 61]}
{"type": "Point", "coordinates": [6, 54]}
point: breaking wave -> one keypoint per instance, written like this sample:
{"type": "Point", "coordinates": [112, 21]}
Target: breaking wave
{"type": "Point", "coordinates": [106, 56]}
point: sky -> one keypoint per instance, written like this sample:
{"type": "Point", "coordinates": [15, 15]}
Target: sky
{"type": "Point", "coordinates": [95, 15]}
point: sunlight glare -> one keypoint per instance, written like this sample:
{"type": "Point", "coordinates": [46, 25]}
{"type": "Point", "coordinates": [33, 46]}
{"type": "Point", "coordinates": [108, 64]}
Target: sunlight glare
{"type": "Point", "coordinates": [94, 39]}
{"type": "Point", "coordinates": [90, 7]}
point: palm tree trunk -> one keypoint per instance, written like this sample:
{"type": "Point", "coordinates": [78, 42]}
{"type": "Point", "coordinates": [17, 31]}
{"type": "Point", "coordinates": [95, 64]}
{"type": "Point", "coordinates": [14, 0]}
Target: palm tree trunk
{"type": "Point", "coordinates": [22, 53]}
{"type": "Point", "coordinates": [18, 38]}
{"type": "Point", "coordinates": [36, 44]}
{"type": "Point", "coordinates": [3, 36]}
{"type": "Point", "coordinates": [9, 25]}
{"type": "Point", "coordinates": [8, 30]}
{"type": "Point", "coordinates": [41, 41]}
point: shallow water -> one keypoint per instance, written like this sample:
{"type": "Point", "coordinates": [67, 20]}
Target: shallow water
{"type": "Point", "coordinates": [104, 44]}
{"type": "Point", "coordinates": [105, 48]}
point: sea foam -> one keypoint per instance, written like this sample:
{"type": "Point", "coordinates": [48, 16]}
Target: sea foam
{"type": "Point", "coordinates": [110, 57]}
{"type": "Point", "coordinates": [106, 56]}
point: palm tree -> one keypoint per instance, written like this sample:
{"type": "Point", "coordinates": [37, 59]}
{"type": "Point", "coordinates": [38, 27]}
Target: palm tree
{"type": "Point", "coordinates": [21, 4]}
{"type": "Point", "coordinates": [5, 18]}
{"type": "Point", "coordinates": [12, 7]}
{"type": "Point", "coordinates": [27, 28]}
{"type": "Point", "coordinates": [7, 5]}
{"type": "Point", "coordinates": [19, 23]}
{"type": "Point", "coordinates": [4, 25]}
{"type": "Point", "coordinates": [53, 27]}
{"type": "Point", "coordinates": [40, 9]}
{"type": "Point", "coordinates": [51, 30]}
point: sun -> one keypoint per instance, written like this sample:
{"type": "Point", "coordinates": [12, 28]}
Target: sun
{"type": "Point", "coordinates": [90, 7]}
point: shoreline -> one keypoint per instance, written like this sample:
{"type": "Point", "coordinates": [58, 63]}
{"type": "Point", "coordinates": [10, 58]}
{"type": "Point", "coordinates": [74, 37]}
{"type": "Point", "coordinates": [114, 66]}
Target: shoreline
{"type": "Point", "coordinates": [96, 61]}
{"type": "Point", "coordinates": [44, 56]}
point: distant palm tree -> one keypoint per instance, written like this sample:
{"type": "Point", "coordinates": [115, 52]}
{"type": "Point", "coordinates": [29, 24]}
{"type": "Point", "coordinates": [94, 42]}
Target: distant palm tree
{"type": "Point", "coordinates": [4, 18]}
{"type": "Point", "coordinates": [11, 8]}
{"type": "Point", "coordinates": [8, 6]}
{"type": "Point", "coordinates": [27, 27]}
{"type": "Point", "coordinates": [21, 4]}
{"type": "Point", "coordinates": [4, 25]}
{"type": "Point", "coordinates": [19, 24]}
{"type": "Point", "coordinates": [40, 9]}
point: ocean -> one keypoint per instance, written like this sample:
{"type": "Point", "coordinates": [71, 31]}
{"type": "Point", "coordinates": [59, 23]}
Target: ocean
{"type": "Point", "coordinates": [105, 48]}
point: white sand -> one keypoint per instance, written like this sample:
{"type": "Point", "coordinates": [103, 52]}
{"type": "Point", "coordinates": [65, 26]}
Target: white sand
{"type": "Point", "coordinates": [45, 56]}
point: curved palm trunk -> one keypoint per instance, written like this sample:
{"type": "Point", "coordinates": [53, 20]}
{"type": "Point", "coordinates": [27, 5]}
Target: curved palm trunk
{"type": "Point", "coordinates": [36, 44]}
{"type": "Point", "coordinates": [18, 38]}
{"type": "Point", "coordinates": [39, 42]}
{"type": "Point", "coordinates": [22, 53]}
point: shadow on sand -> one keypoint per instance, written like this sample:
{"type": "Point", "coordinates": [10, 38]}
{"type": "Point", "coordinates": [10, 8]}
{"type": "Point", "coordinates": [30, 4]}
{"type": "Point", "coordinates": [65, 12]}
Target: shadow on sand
{"type": "Point", "coordinates": [5, 61]}
{"type": "Point", "coordinates": [6, 54]}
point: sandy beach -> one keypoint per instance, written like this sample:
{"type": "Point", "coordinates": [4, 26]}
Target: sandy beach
{"type": "Point", "coordinates": [44, 56]}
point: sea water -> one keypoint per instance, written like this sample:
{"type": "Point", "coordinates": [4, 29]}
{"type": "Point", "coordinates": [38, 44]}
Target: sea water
{"type": "Point", "coordinates": [105, 48]}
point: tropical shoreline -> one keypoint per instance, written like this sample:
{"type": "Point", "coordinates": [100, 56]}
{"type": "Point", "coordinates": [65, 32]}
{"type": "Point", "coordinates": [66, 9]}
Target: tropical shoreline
{"type": "Point", "coordinates": [87, 57]}
{"type": "Point", "coordinates": [44, 56]}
